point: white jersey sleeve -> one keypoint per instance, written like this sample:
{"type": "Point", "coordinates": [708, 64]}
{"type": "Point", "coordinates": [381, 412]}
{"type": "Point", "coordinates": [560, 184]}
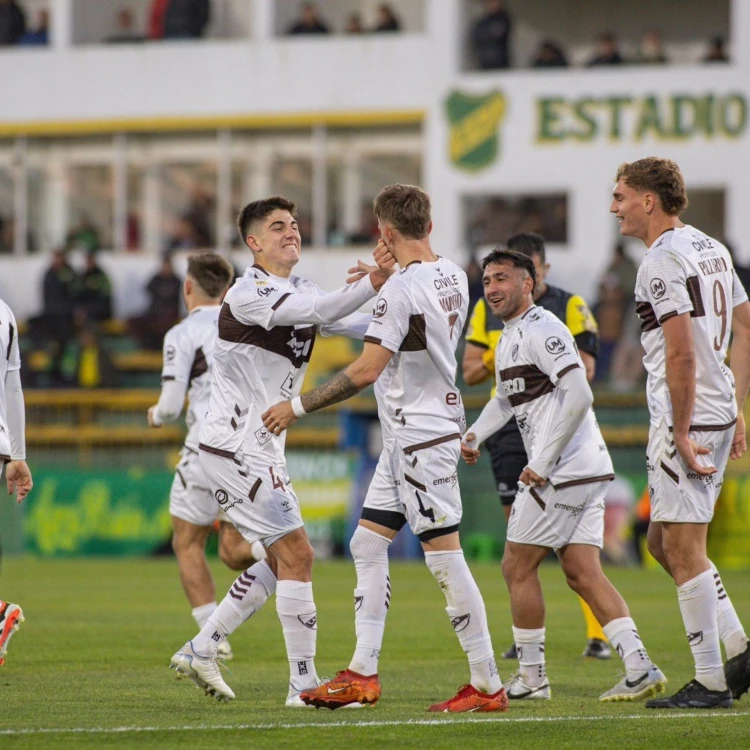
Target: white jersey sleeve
{"type": "Point", "coordinates": [178, 355]}
{"type": "Point", "coordinates": [739, 295]}
{"type": "Point", "coordinates": [14, 353]}
{"type": "Point", "coordinates": [390, 320]}
{"type": "Point", "coordinates": [665, 284]}
{"type": "Point", "coordinates": [552, 349]}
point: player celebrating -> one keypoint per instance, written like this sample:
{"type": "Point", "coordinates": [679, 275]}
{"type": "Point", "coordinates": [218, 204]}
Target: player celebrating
{"type": "Point", "coordinates": [560, 503]}
{"type": "Point", "coordinates": [12, 446]}
{"type": "Point", "coordinates": [410, 351]}
{"type": "Point", "coordinates": [689, 298]}
{"type": "Point", "coordinates": [267, 329]}
{"type": "Point", "coordinates": [188, 361]}
{"type": "Point", "coordinates": [507, 454]}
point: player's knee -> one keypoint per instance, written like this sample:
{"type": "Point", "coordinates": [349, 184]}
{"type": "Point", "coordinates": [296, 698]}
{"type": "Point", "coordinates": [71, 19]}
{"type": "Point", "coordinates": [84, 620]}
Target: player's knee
{"type": "Point", "coordinates": [512, 569]}
{"type": "Point", "coordinates": [232, 555]}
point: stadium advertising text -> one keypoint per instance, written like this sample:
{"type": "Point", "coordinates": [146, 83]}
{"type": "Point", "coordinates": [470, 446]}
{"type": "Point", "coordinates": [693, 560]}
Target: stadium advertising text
{"type": "Point", "coordinates": [622, 117]}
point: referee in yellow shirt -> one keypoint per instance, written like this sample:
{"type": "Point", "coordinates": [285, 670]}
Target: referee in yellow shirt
{"type": "Point", "coordinates": [507, 453]}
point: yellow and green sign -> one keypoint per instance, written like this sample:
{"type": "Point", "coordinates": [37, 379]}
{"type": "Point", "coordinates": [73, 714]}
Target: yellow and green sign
{"type": "Point", "coordinates": [474, 128]}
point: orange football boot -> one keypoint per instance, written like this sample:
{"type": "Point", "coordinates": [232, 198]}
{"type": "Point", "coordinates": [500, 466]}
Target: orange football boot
{"type": "Point", "coordinates": [11, 617]}
{"type": "Point", "coordinates": [469, 699]}
{"type": "Point", "coordinates": [344, 689]}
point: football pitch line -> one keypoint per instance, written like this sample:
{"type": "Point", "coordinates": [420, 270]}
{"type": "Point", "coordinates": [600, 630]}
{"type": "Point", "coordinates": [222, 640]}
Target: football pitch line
{"type": "Point", "coordinates": [721, 714]}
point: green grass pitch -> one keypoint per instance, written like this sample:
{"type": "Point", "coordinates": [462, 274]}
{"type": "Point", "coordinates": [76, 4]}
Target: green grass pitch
{"type": "Point", "coordinates": [88, 668]}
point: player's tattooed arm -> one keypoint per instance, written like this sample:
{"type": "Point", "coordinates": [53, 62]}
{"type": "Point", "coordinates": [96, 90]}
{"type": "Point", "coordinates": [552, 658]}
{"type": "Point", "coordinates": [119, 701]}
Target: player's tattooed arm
{"type": "Point", "coordinates": [339, 388]}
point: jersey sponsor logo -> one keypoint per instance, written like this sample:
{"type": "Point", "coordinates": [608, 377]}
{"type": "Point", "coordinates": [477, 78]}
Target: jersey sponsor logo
{"type": "Point", "coordinates": [300, 347]}
{"type": "Point", "coordinates": [574, 510]}
{"type": "Point", "coordinates": [554, 345]}
{"type": "Point", "coordinates": [513, 386]}
{"type": "Point", "coordinates": [169, 353]}
{"type": "Point", "coordinates": [265, 291]}
{"type": "Point", "coordinates": [381, 307]}
{"type": "Point", "coordinates": [658, 288]}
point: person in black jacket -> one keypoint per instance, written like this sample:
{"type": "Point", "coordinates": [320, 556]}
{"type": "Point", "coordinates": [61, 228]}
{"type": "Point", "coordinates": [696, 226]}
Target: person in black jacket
{"type": "Point", "coordinates": [490, 37]}
{"type": "Point", "coordinates": [309, 22]}
{"type": "Point", "coordinates": [186, 19]}
{"type": "Point", "coordinates": [12, 22]}
{"type": "Point", "coordinates": [95, 291]}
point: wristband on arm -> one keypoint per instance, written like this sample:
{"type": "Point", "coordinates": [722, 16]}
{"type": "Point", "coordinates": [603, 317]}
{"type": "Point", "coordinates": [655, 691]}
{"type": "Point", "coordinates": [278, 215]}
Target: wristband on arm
{"type": "Point", "coordinates": [297, 408]}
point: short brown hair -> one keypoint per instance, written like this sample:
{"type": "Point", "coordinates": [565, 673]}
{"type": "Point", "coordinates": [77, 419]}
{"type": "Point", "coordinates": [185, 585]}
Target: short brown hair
{"type": "Point", "coordinates": [406, 207]}
{"type": "Point", "coordinates": [211, 272]}
{"type": "Point", "coordinates": [661, 176]}
{"type": "Point", "coordinates": [259, 210]}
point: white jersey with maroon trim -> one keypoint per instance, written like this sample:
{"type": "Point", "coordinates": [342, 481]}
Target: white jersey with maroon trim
{"type": "Point", "coordinates": [257, 364]}
{"type": "Point", "coordinates": [188, 358]}
{"type": "Point", "coordinates": [535, 351]}
{"type": "Point", "coordinates": [419, 316]}
{"type": "Point", "coordinates": [686, 271]}
{"type": "Point", "coordinates": [10, 359]}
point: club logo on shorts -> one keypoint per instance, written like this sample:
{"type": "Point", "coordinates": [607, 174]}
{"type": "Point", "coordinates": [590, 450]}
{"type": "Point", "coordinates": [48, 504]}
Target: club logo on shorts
{"type": "Point", "coordinates": [169, 353]}
{"type": "Point", "coordinates": [461, 622]}
{"type": "Point", "coordinates": [658, 288]}
{"type": "Point", "coordinates": [380, 309]}
{"type": "Point", "coordinates": [262, 436]}
{"type": "Point", "coordinates": [554, 345]}
{"type": "Point", "coordinates": [514, 352]}
{"type": "Point", "coordinates": [309, 621]}
{"type": "Point", "coordinates": [221, 497]}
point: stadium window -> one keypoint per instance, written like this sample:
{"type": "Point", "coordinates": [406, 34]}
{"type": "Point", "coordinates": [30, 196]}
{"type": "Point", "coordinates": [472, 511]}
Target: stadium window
{"type": "Point", "coordinates": [492, 219]}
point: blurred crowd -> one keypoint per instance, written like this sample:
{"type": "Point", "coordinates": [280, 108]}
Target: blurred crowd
{"type": "Point", "coordinates": [491, 35]}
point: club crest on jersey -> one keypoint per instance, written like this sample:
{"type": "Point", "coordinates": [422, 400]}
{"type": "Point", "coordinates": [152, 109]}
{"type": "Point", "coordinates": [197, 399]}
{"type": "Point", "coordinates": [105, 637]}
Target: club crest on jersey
{"type": "Point", "coordinates": [514, 352]}
{"type": "Point", "coordinates": [221, 497]}
{"type": "Point", "coordinates": [380, 309]}
{"type": "Point", "coordinates": [658, 288]}
{"type": "Point", "coordinates": [554, 345]}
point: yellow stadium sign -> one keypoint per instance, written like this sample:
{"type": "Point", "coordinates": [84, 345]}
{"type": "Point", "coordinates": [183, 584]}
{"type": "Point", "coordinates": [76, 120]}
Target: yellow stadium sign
{"type": "Point", "coordinates": [474, 128]}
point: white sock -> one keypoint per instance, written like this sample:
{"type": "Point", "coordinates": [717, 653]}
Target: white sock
{"type": "Point", "coordinates": [299, 621]}
{"type": "Point", "coordinates": [623, 635]}
{"type": "Point", "coordinates": [531, 661]}
{"type": "Point", "coordinates": [246, 596]}
{"type": "Point", "coordinates": [467, 615]}
{"type": "Point", "coordinates": [700, 613]}
{"type": "Point", "coordinates": [731, 632]}
{"type": "Point", "coordinates": [258, 551]}
{"type": "Point", "coordinates": [372, 598]}
{"type": "Point", "coordinates": [202, 613]}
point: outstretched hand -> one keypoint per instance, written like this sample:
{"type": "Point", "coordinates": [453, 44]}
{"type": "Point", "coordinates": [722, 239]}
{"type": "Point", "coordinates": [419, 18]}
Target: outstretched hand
{"type": "Point", "coordinates": [279, 417]}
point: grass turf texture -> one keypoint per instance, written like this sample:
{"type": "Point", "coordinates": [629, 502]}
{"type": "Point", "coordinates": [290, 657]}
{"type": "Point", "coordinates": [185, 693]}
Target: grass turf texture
{"type": "Point", "coordinates": [93, 655]}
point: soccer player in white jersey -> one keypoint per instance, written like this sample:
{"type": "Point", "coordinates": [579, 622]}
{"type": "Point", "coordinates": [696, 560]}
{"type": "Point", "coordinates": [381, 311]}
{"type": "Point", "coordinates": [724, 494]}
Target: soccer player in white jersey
{"type": "Point", "coordinates": [409, 354]}
{"type": "Point", "coordinates": [267, 328]}
{"type": "Point", "coordinates": [188, 361]}
{"type": "Point", "coordinates": [541, 380]}
{"type": "Point", "coordinates": [12, 446]}
{"type": "Point", "coordinates": [689, 299]}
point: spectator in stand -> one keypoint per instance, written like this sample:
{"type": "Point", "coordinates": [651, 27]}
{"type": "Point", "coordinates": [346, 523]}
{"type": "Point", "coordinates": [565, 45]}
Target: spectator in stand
{"type": "Point", "coordinates": [615, 298]}
{"type": "Point", "coordinates": [309, 21]}
{"type": "Point", "coordinates": [490, 37]}
{"type": "Point", "coordinates": [156, 19]}
{"type": "Point", "coordinates": [95, 291]}
{"type": "Point", "coordinates": [549, 55]}
{"type": "Point", "coordinates": [87, 363]}
{"type": "Point", "coordinates": [186, 19]}
{"type": "Point", "coordinates": [716, 51]}
{"type": "Point", "coordinates": [651, 49]}
{"type": "Point", "coordinates": [607, 51]}
{"type": "Point", "coordinates": [354, 24]}
{"type": "Point", "coordinates": [125, 32]}
{"type": "Point", "coordinates": [387, 20]}
{"type": "Point", "coordinates": [39, 35]}
{"type": "Point", "coordinates": [165, 293]}
{"type": "Point", "coordinates": [12, 22]}
{"type": "Point", "coordinates": [84, 237]}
